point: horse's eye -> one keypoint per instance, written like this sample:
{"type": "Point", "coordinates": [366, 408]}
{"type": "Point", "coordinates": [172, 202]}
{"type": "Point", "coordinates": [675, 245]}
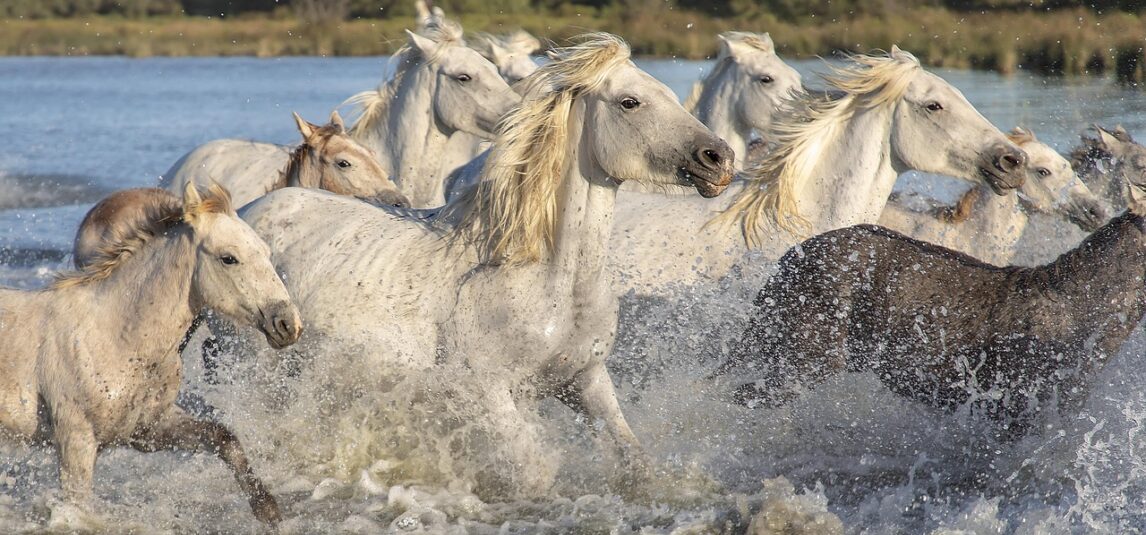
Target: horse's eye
{"type": "Point", "coordinates": [228, 260]}
{"type": "Point", "coordinates": [463, 78]}
{"type": "Point", "coordinates": [342, 163]}
{"type": "Point", "coordinates": [630, 103]}
{"type": "Point", "coordinates": [766, 79]}
{"type": "Point", "coordinates": [934, 106]}
{"type": "Point", "coordinates": [1043, 172]}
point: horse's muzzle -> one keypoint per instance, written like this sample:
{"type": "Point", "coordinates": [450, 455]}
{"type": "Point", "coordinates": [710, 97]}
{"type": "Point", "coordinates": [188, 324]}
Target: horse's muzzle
{"type": "Point", "coordinates": [710, 169]}
{"type": "Point", "coordinates": [281, 324]}
{"type": "Point", "coordinates": [1005, 169]}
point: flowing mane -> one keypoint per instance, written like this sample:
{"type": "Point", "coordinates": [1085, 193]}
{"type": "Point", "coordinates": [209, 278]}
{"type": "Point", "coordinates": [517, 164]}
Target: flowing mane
{"type": "Point", "coordinates": [724, 58]}
{"type": "Point", "coordinates": [511, 216]}
{"type": "Point", "coordinates": [769, 197]}
{"type": "Point", "coordinates": [373, 104]}
{"type": "Point", "coordinates": [126, 237]}
{"type": "Point", "coordinates": [308, 175]}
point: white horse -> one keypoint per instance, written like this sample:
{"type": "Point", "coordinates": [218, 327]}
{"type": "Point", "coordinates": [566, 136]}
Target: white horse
{"type": "Point", "coordinates": [989, 226]}
{"type": "Point", "coordinates": [511, 54]}
{"type": "Point", "coordinates": [744, 91]}
{"type": "Point", "coordinates": [835, 165]}
{"type": "Point", "coordinates": [508, 284]}
{"type": "Point", "coordinates": [327, 158]}
{"type": "Point", "coordinates": [90, 362]}
{"type": "Point", "coordinates": [440, 87]}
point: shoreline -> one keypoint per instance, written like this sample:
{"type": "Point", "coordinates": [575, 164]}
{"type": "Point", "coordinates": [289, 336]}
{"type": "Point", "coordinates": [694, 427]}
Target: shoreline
{"type": "Point", "coordinates": [1068, 42]}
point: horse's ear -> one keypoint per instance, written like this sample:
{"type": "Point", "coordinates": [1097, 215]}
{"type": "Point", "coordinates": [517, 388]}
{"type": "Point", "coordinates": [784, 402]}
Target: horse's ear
{"type": "Point", "coordinates": [1021, 135]}
{"type": "Point", "coordinates": [426, 46]}
{"type": "Point", "coordinates": [304, 127]}
{"type": "Point", "coordinates": [336, 121]}
{"type": "Point", "coordinates": [192, 203]}
{"type": "Point", "coordinates": [1109, 140]}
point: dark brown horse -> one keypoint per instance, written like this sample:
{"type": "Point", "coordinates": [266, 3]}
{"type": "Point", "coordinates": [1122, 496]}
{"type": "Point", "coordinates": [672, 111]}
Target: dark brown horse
{"type": "Point", "coordinates": [942, 328]}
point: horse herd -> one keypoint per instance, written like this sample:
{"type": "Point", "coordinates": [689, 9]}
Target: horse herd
{"type": "Point", "coordinates": [345, 245]}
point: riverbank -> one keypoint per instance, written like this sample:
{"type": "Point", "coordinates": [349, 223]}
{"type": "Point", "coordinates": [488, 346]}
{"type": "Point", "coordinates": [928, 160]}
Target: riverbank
{"type": "Point", "coordinates": [1060, 42]}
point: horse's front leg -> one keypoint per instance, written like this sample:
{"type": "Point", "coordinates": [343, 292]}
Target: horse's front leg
{"type": "Point", "coordinates": [77, 449]}
{"type": "Point", "coordinates": [179, 431]}
{"type": "Point", "coordinates": [591, 393]}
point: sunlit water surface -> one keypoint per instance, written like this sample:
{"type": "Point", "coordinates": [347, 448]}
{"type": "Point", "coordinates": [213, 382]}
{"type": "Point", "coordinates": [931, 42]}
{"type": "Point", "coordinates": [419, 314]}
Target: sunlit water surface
{"type": "Point", "coordinates": [74, 129]}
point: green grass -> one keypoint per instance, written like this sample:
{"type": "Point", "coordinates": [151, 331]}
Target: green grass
{"type": "Point", "coordinates": [1060, 42]}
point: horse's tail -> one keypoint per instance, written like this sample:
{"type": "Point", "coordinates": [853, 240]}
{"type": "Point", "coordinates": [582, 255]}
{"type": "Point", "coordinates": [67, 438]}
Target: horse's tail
{"type": "Point", "coordinates": [693, 97]}
{"type": "Point", "coordinates": [369, 106]}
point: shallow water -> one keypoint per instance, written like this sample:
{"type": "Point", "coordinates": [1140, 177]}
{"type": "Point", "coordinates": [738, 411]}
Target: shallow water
{"type": "Point", "coordinates": [75, 129]}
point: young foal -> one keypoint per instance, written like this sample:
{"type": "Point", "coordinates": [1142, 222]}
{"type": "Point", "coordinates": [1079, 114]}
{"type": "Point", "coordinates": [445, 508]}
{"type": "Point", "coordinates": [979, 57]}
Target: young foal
{"type": "Point", "coordinates": [942, 328]}
{"type": "Point", "coordinates": [90, 362]}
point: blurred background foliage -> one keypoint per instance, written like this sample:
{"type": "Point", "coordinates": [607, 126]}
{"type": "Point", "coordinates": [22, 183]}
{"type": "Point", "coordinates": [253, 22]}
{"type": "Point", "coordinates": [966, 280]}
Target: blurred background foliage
{"type": "Point", "coordinates": [1048, 36]}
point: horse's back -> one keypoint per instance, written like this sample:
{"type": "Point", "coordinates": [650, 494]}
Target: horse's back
{"type": "Point", "coordinates": [248, 169]}
{"type": "Point", "coordinates": [347, 264]}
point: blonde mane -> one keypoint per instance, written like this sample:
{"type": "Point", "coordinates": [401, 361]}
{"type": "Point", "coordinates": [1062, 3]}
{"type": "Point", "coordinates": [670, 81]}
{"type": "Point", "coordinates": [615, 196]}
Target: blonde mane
{"type": "Point", "coordinates": [511, 216]}
{"type": "Point", "coordinates": [126, 236]}
{"type": "Point", "coordinates": [769, 197]}
{"type": "Point", "coordinates": [372, 105]}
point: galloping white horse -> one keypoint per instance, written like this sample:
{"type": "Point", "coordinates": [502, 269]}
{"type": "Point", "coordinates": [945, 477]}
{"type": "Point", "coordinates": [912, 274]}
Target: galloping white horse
{"type": "Point", "coordinates": [989, 226]}
{"type": "Point", "coordinates": [835, 166]}
{"type": "Point", "coordinates": [745, 89]}
{"type": "Point", "coordinates": [509, 283]}
{"type": "Point", "coordinates": [440, 87]}
{"type": "Point", "coordinates": [91, 361]}
{"type": "Point", "coordinates": [327, 158]}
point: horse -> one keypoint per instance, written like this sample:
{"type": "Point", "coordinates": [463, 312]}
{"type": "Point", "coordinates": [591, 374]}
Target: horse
{"type": "Point", "coordinates": [942, 328]}
{"type": "Point", "coordinates": [509, 53]}
{"type": "Point", "coordinates": [90, 361]}
{"type": "Point", "coordinates": [440, 87]}
{"type": "Point", "coordinates": [508, 284]}
{"type": "Point", "coordinates": [835, 164]}
{"type": "Point", "coordinates": [988, 226]}
{"type": "Point", "coordinates": [328, 158]}
{"type": "Point", "coordinates": [747, 86]}
{"type": "Point", "coordinates": [1105, 159]}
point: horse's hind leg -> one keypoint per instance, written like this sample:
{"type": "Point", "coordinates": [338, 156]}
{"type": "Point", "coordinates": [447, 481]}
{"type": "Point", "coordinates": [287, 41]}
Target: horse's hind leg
{"type": "Point", "coordinates": [179, 431]}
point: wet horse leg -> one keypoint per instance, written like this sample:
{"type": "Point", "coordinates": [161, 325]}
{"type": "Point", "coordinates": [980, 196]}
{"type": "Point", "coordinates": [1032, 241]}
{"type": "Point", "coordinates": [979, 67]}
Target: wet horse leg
{"type": "Point", "coordinates": [179, 431]}
{"type": "Point", "coordinates": [591, 393]}
{"type": "Point", "coordinates": [77, 450]}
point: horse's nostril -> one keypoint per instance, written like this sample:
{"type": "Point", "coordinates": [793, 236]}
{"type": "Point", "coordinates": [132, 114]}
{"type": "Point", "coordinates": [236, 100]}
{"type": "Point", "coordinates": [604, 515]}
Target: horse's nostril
{"type": "Point", "coordinates": [709, 158]}
{"type": "Point", "coordinates": [1011, 161]}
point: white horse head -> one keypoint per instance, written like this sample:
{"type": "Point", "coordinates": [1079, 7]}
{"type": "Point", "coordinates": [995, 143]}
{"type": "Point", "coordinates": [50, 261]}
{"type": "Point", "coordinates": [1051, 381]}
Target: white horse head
{"type": "Point", "coordinates": [470, 96]}
{"type": "Point", "coordinates": [631, 128]}
{"type": "Point", "coordinates": [1053, 187]}
{"type": "Point", "coordinates": [837, 158]}
{"type": "Point", "coordinates": [937, 131]}
{"type": "Point", "coordinates": [233, 273]}
{"type": "Point", "coordinates": [441, 88]}
{"type": "Point", "coordinates": [330, 159]}
{"type": "Point", "coordinates": [510, 54]}
{"type": "Point", "coordinates": [746, 88]}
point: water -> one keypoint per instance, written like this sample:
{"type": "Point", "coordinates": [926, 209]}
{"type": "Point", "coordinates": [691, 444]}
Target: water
{"type": "Point", "coordinates": [77, 128]}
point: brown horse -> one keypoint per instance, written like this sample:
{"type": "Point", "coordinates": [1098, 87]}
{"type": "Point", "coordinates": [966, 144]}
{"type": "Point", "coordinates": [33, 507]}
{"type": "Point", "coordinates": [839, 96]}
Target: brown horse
{"type": "Point", "coordinates": [940, 327]}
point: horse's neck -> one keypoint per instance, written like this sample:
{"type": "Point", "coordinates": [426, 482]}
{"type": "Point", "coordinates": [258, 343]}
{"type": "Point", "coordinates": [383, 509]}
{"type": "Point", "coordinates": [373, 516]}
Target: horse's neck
{"type": "Point", "coordinates": [409, 142]}
{"type": "Point", "coordinates": [300, 172]}
{"type": "Point", "coordinates": [149, 298]}
{"type": "Point", "coordinates": [998, 217]}
{"type": "Point", "coordinates": [852, 175]}
{"type": "Point", "coordinates": [1108, 264]}
{"type": "Point", "coordinates": [716, 111]}
{"type": "Point", "coordinates": [585, 203]}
